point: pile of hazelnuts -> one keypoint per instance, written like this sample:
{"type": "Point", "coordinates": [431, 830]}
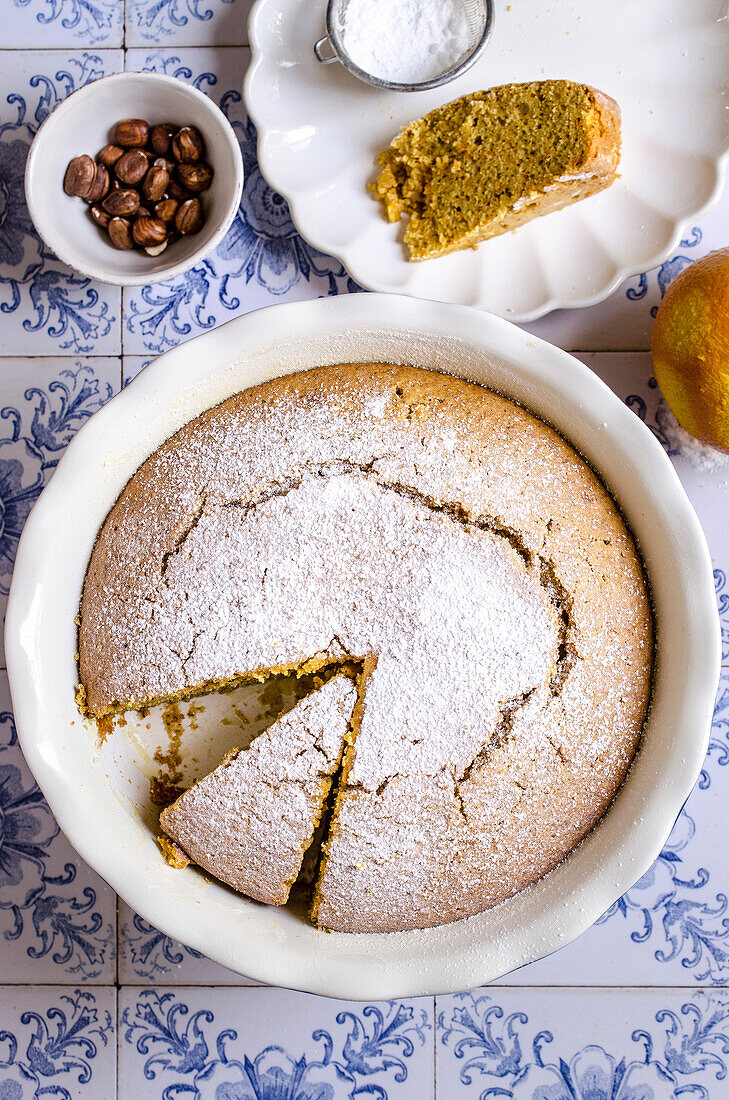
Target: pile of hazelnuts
{"type": "Point", "coordinates": [143, 188]}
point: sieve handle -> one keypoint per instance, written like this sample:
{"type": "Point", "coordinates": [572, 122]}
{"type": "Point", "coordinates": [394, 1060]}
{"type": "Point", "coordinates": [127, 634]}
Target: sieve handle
{"type": "Point", "coordinates": [326, 59]}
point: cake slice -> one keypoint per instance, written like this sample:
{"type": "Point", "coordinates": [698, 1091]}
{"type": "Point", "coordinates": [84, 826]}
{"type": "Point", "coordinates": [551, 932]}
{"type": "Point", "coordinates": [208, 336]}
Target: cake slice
{"type": "Point", "coordinates": [236, 823]}
{"type": "Point", "coordinates": [493, 160]}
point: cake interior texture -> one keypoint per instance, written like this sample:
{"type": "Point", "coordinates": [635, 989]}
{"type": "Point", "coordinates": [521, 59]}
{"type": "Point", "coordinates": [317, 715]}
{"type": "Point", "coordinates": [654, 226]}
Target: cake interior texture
{"type": "Point", "coordinates": [451, 547]}
{"type": "Point", "coordinates": [251, 820]}
{"type": "Point", "coordinates": [491, 160]}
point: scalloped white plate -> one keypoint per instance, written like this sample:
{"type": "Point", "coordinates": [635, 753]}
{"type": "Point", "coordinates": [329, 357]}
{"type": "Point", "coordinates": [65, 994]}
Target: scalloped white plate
{"type": "Point", "coordinates": [665, 61]}
{"type": "Point", "coordinates": [100, 793]}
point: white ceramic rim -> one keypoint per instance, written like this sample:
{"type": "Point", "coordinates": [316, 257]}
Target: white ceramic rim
{"type": "Point", "coordinates": [268, 166]}
{"type": "Point", "coordinates": [45, 227]}
{"type": "Point", "coordinates": [619, 850]}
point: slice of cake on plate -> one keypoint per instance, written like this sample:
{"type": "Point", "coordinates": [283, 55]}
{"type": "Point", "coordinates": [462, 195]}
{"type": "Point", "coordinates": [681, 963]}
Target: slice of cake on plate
{"type": "Point", "coordinates": [250, 821]}
{"type": "Point", "coordinates": [491, 161]}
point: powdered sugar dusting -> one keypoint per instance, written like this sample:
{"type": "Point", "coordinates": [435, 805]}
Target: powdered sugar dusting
{"type": "Point", "coordinates": [700, 455]}
{"type": "Point", "coordinates": [250, 820]}
{"type": "Point", "coordinates": [492, 578]}
{"type": "Point", "coordinates": [343, 565]}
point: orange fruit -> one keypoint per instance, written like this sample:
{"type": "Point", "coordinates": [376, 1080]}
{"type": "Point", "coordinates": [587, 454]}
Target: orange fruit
{"type": "Point", "coordinates": [690, 348]}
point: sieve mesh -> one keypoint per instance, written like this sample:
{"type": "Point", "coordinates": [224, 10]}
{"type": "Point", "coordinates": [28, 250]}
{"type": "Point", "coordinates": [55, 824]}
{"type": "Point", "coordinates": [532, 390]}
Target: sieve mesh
{"type": "Point", "coordinates": [478, 15]}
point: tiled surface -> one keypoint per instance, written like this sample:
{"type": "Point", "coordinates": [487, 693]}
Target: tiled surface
{"type": "Point", "coordinates": [577, 1044]}
{"type": "Point", "coordinates": [44, 401]}
{"type": "Point", "coordinates": [637, 1009]}
{"type": "Point", "coordinates": [57, 1042]}
{"type": "Point", "coordinates": [57, 917]}
{"type": "Point", "coordinates": [230, 1044]}
{"type": "Point", "coordinates": [55, 24]}
{"type": "Point", "coordinates": [261, 260]}
{"type": "Point", "coordinates": [46, 308]}
{"type": "Point", "coordinates": [147, 955]}
{"type": "Point", "coordinates": [187, 22]}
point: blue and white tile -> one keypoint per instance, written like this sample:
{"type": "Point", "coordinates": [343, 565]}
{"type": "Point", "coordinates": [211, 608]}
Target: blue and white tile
{"type": "Point", "coordinates": [53, 24]}
{"type": "Point", "coordinates": [623, 322]}
{"type": "Point", "coordinates": [46, 308]}
{"type": "Point", "coordinates": [262, 259]}
{"type": "Point", "coordinates": [44, 402]}
{"type": "Point", "coordinates": [587, 1044]}
{"type": "Point", "coordinates": [704, 472]}
{"type": "Point", "coordinates": [132, 365]}
{"type": "Point", "coordinates": [148, 955]}
{"type": "Point", "coordinates": [57, 917]}
{"type": "Point", "coordinates": [672, 927]}
{"type": "Point", "coordinates": [187, 22]}
{"type": "Point", "coordinates": [266, 1044]}
{"type": "Point", "coordinates": [57, 1043]}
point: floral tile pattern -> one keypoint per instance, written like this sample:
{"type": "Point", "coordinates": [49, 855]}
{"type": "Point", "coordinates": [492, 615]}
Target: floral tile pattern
{"type": "Point", "coordinates": [672, 927]}
{"type": "Point", "coordinates": [47, 24]}
{"type": "Point", "coordinates": [650, 1045]}
{"type": "Point", "coordinates": [44, 402]}
{"type": "Point", "coordinates": [187, 22]}
{"type": "Point", "coordinates": [57, 1043]}
{"type": "Point", "coordinates": [148, 955]}
{"type": "Point", "coordinates": [57, 917]}
{"type": "Point", "coordinates": [46, 308]}
{"type": "Point", "coordinates": [651, 978]}
{"type": "Point", "coordinates": [262, 258]}
{"type": "Point", "coordinates": [188, 1042]}
{"type": "Point", "coordinates": [624, 320]}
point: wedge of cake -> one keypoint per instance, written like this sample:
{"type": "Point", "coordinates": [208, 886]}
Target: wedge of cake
{"type": "Point", "coordinates": [451, 546]}
{"type": "Point", "coordinates": [250, 821]}
{"type": "Point", "coordinates": [493, 160]}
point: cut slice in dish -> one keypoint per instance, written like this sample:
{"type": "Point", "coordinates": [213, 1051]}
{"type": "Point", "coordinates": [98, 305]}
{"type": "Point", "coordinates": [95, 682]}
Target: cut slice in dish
{"type": "Point", "coordinates": [234, 821]}
{"type": "Point", "coordinates": [491, 161]}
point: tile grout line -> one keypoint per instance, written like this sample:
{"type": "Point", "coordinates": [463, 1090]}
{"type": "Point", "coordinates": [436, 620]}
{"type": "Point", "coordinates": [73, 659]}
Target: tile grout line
{"type": "Point", "coordinates": [118, 1041]}
{"type": "Point", "coordinates": [435, 1056]}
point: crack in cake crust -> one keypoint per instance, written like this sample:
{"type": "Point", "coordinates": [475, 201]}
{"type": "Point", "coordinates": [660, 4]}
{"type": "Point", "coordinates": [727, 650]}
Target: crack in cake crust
{"type": "Point", "coordinates": [453, 806]}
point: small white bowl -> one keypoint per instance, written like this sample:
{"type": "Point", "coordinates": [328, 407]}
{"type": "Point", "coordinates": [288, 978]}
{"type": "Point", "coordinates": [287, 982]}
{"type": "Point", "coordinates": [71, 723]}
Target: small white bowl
{"type": "Point", "coordinates": [83, 123]}
{"type": "Point", "coordinates": [100, 793]}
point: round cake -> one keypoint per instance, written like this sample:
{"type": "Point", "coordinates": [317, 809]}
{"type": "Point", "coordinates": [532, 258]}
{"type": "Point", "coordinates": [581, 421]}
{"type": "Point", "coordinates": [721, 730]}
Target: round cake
{"type": "Point", "coordinates": [460, 553]}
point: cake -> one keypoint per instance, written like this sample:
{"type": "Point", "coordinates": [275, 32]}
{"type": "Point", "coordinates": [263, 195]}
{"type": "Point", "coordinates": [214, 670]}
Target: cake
{"type": "Point", "coordinates": [491, 161]}
{"type": "Point", "coordinates": [250, 821]}
{"type": "Point", "coordinates": [458, 550]}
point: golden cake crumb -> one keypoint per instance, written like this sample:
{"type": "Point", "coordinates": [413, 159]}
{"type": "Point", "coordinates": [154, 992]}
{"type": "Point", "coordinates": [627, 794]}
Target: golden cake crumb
{"type": "Point", "coordinates": [453, 548]}
{"type": "Point", "coordinates": [493, 160]}
{"type": "Point", "coordinates": [173, 854]}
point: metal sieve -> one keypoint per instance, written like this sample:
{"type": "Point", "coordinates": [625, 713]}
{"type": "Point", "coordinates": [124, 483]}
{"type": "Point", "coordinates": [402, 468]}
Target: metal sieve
{"type": "Point", "coordinates": [479, 15]}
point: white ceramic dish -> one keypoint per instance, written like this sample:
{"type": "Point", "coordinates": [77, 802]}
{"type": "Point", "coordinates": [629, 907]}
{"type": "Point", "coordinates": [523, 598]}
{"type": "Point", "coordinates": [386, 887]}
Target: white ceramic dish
{"type": "Point", "coordinates": [82, 123]}
{"type": "Point", "coordinates": [665, 61]}
{"type": "Point", "coordinates": [100, 794]}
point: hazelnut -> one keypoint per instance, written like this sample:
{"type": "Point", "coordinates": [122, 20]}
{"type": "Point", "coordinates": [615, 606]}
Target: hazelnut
{"type": "Point", "coordinates": [160, 138]}
{"type": "Point", "coordinates": [179, 194]}
{"type": "Point", "coordinates": [144, 212]}
{"type": "Point", "coordinates": [149, 231]}
{"type": "Point", "coordinates": [131, 166]}
{"type": "Point", "coordinates": [100, 185]}
{"type": "Point", "coordinates": [109, 155]}
{"type": "Point", "coordinates": [80, 176]}
{"type": "Point", "coordinates": [188, 145]}
{"type": "Point", "coordinates": [164, 162]}
{"type": "Point", "coordinates": [131, 132]}
{"type": "Point", "coordinates": [121, 203]}
{"type": "Point", "coordinates": [155, 249]}
{"type": "Point", "coordinates": [189, 219]}
{"type": "Point", "coordinates": [100, 216]}
{"type": "Point", "coordinates": [155, 184]}
{"type": "Point", "coordinates": [120, 233]}
{"type": "Point", "coordinates": [195, 177]}
{"type": "Point", "coordinates": [166, 209]}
